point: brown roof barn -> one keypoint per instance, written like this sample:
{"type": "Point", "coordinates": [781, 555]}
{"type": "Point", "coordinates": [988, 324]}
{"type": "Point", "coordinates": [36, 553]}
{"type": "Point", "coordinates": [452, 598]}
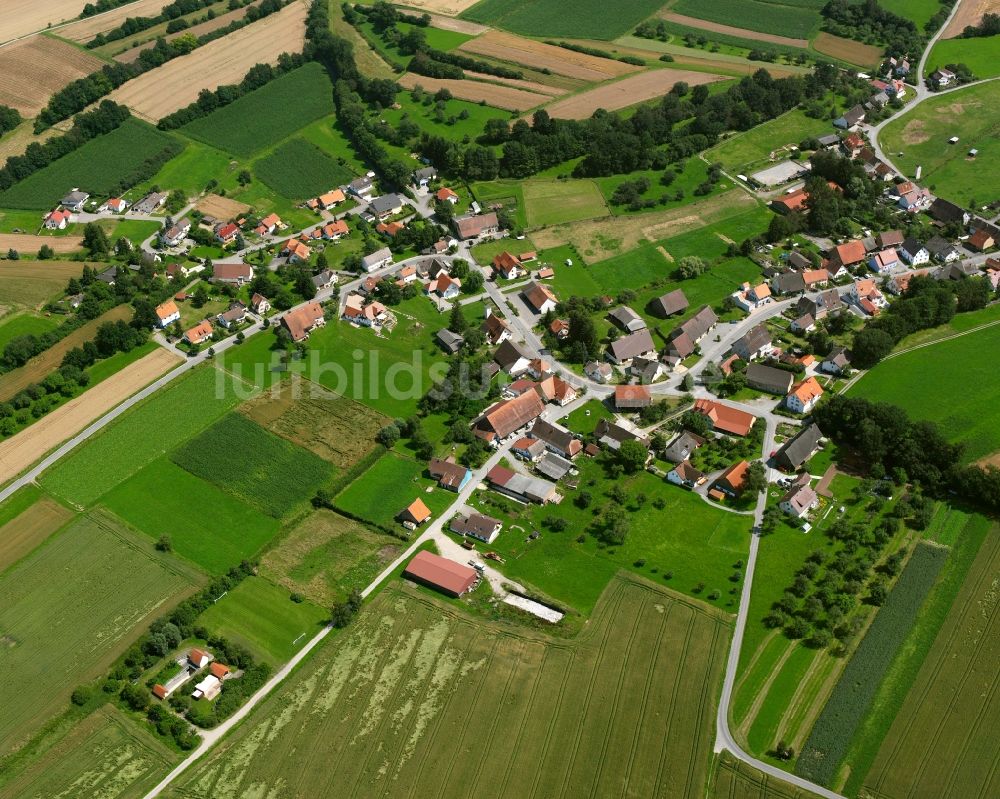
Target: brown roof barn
{"type": "Point", "coordinates": [445, 575]}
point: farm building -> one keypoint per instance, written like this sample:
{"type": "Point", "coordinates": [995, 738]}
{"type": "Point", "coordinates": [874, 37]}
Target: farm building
{"type": "Point", "coordinates": [522, 487]}
{"type": "Point", "coordinates": [632, 397]}
{"type": "Point", "coordinates": [503, 418]}
{"type": "Point", "coordinates": [446, 576]}
{"type": "Point", "coordinates": [470, 227]}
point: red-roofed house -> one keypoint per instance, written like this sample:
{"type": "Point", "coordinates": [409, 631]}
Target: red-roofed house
{"type": "Point", "coordinates": [509, 266]}
{"type": "Point", "coordinates": [848, 254]}
{"type": "Point", "coordinates": [632, 397]}
{"type": "Point", "coordinates": [725, 418]}
{"type": "Point", "coordinates": [167, 313]}
{"type": "Point", "coordinates": [732, 480]}
{"type": "Point", "coordinates": [804, 396]}
{"type": "Point", "coordinates": [57, 220]}
{"type": "Point", "coordinates": [446, 195]}
{"type": "Point", "coordinates": [199, 333]}
{"type": "Point", "coordinates": [233, 274]}
{"type": "Point", "coordinates": [302, 321]}
{"type": "Point", "coordinates": [415, 513]}
{"type": "Point", "coordinates": [219, 670]}
{"type": "Point", "coordinates": [296, 251]}
{"type": "Point", "coordinates": [227, 233]}
{"type": "Point", "coordinates": [268, 225]}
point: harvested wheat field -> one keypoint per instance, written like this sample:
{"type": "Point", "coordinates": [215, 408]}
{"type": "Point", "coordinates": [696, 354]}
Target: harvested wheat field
{"type": "Point", "coordinates": [628, 91]}
{"type": "Point", "coordinates": [450, 8]}
{"type": "Point", "coordinates": [730, 30]}
{"type": "Point", "coordinates": [21, 17]}
{"type": "Point", "coordinates": [506, 97]}
{"type": "Point", "coordinates": [33, 69]}
{"type": "Point", "coordinates": [31, 444]}
{"type": "Point", "coordinates": [864, 55]}
{"type": "Point", "coordinates": [221, 207]}
{"type": "Point", "coordinates": [508, 47]}
{"type": "Point", "coordinates": [130, 55]}
{"type": "Point", "coordinates": [176, 84]}
{"type": "Point", "coordinates": [970, 12]}
{"type": "Point", "coordinates": [527, 85]}
{"type": "Point", "coordinates": [597, 239]}
{"type": "Point", "coordinates": [28, 529]}
{"type": "Point", "coordinates": [33, 283]}
{"type": "Point", "coordinates": [27, 243]}
{"type": "Point", "coordinates": [86, 29]}
{"type": "Point", "coordinates": [38, 367]}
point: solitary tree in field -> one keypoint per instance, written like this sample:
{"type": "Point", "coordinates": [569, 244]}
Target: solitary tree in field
{"type": "Point", "coordinates": [163, 543]}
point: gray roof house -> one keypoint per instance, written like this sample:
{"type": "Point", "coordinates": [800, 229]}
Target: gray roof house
{"type": "Point", "coordinates": [476, 525]}
{"type": "Point", "coordinates": [683, 446]}
{"type": "Point", "coordinates": [554, 466]}
{"type": "Point", "coordinates": [74, 200]}
{"type": "Point", "coordinates": [377, 259]}
{"type": "Point", "coordinates": [386, 205]}
{"type": "Point", "coordinates": [628, 347]}
{"type": "Point", "coordinates": [753, 344]}
{"type": "Point", "coordinates": [836, 361]}
{"type": "Point", "coordinates": [769, 379]}
{"type": "Point", "coordinates": [449, 341]}
{"type": "Point", "coordinates": [612, 435]}
{"type": "Point", "coordinates": [789, 283]}
{"type": "Point", "coordinates": [798, 450]}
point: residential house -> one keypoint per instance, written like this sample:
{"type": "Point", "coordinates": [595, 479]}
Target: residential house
{"type": "Point", "coordinates": [790, 202]}
{"type": "Point", "coordinates": [942, 250]}
{"type": "Point", "coordinates": [956, 271]}
{"type": "Point", "coordinates": [611, 435]}
{"type": "Point", "coordinates": [559, 328]}
{"type": "Point", "coordinates": [422, 177]}
{"type": "Point", "coordinates": [512, 358]}
{"type": "Point", "coordinates": [797, 260]}
{"type": "Point", "coordinates": [232, 274]}
{"type": "Point", "coordinates": [387, 205]}
{"type": "Point", "coordinates": [445, 286]}
{"type": "Point", "coordinates": [441, 574]}
{"type": "Point", "coordinates": [769, 379]}
{"type": "Point", "coordinates": [943, 77]}
{"type": "Point", "coordinates": [884, 261]}
{"type": "Point", "coordinates": [539, 297]}
{"type": "Point", "coordinates": [648, 370]}
{"type": "Point", "coordinates": [495, 329]}
{"type": "Point", "coordinates": [671, 303]}
{"type": "Point", "coordinates": [751, 298]}
{"type": "Point", "coordinates": [799, 500]}
{"type": "Point", "coordinates": [755, 343]}
{"type": "Point", "coordinates": [508, 266]}
{"type": "Point", "coordinates": [913, 252]}
{"type": "Point", "coordinates": [57, 220]}
{"type": "Point", "coordinates": [684, 474]}
{"type": "Point", "coordinates": [450, 342]}
{"type": "Point", "coordinates": [324, 279]}
{"type": "Point", "coordinates": [683, 339]}
{"type": "Point", "coordinates": [199, 333]}
{"type": "Point", "coordinates": [632, 397]}
{"type": "Point", "coordinates": [556, 439]}
{"type": "Point", "coordinates": [981, 240]}
{"type": "Point", "coordinates": [732, 481]}
{"type": "Point", "coordinates": [476, 525]}
{"type": "Point", "coordinates": [296, 251]}
{"type": "Point", "coordinates": [377, 260]}
{"type": "Point", "coordinates": [851, 119]}
{"type": "Point", "coordinates": [199, 658]}
{"type": "Point", "coordinates": [268, 225]}
{"type": "Point", "coordinates": [150, 203]}
{"type": "Point", "coordinates": [852, 145]}
{"type": "Point", "coordinates": [235, 314]}
{"type": "Point", "coordinates": [74, 200]}
{"type": "Point", "coordinates": [914, 200]}
{"type": "Point", "coordinates": [227, 233]}
{"type": "Point", "coordinates": [475, 226]}
{"type": "Point", "coordinates": [897, 284]}
{"type": "Point", "coordinates": [408, 274]}
{"type": "Point", "coordinates": [528, 449]}
{"type": "Point", "coordinates": [333, 231]}
{"type": "Point", "coordinates": [945, 212]}
{"type": "Point", "coordinates": [797, 451]}
{"type": "Point", "coordinates": [389, 229]}
{"type": "Point", "coordinates": [521, 487]}
{"type": "Point", "coordinates": [992, 267]}
{"type": "Point", "coordinates": [597, 371]}
{"type": "Point", "coordinates": [788, 283]}
{"type": "Point", "coordinates": [836, 362]}
{"type": "Point", "coordinates": [849, 254]}
{"type": "Point", "coordinates": [803, 324]}
{"type": "Point", "coordinates": [683, 447]}
{"type": "Point", "coordinates": [300, 322]}
{"type": "Point", "coordinates": [260, 304]}
{"type": "Point", "coordinates": [557, 390]}
{"type": "Point", "coordinates": [325, 201]}
{"type": "Point", "coordinates": [415, 514]}
{"type": "Point", "coordinates": [115, 205]}
{"type": "Point", "coordinates": [725, 418]}
{"type": "Point", "coordinates": [504, 417]}
{"type": "Point", "coordinates": [446, 195]}
{"type": "Point", "coordinates": [638, 344]}
{"type": "Point", "coordinates": [804, 395]}
{"type": "Point", "coordinates": [167, 313]}
{"type": "Point", "coordinates": [627, 319]}
{"type": "Point", "coordinates": [449, 474]}
{"type": "Point", "coordinates": [176, 233]}
{"type": "Point", "coordinates": [866, 296]}
{"type": "Point", "coordinates": [362, 187]}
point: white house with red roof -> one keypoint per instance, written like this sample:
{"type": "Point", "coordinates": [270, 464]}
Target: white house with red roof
{"type": "Point", "coordinates": [57, 220]}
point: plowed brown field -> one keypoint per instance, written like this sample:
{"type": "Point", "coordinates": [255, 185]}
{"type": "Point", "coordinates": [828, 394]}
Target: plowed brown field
{"type": "Point", "coordinates": [21, 17]}
{"type": "Point", "coordinates": [33, 69]}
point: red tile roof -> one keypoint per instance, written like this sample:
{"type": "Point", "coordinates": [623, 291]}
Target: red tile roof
{"type": "Point", "coordinates": [725, 417]}
{"type": "Point", "coordinates": [451, 577]}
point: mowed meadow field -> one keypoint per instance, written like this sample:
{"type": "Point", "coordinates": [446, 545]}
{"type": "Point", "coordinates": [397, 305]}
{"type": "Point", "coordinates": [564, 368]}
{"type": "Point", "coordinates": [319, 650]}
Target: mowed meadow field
{"type": "Point", "coordinates": [420, 700]}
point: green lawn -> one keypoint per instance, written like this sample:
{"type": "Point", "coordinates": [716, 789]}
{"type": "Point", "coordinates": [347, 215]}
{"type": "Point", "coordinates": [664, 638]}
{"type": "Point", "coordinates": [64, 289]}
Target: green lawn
{"type": "Point", "coordinates": [507, 193]}
{"type": "Point", "coordinates": [153, 428]}
{"type": "Point", "coordinates": [262, 118]}
{"type": "Point", "coordinates": [388, 487]}
{"type": "Point", "coordinates": [260, 616]}
{"type": "Point", "coordinates": [25, 324]}
{"type": "Point", "coordinates": [327, 135]}
{"type": "Point", "coordinates": [919, 11]}
{"type": "Point", "coordinates": [960, 395]}
{"type": "Point", "coordinates": [205, 525]}
{"type": "Point", "coordinates": [191, 170]}
{"type": "Point", "coordinates": [753, 148]}
{"type": "Point", "coordinates": [549, 202]}
{"type": "Point", "coordinates": [922, 136]}
{"type": "Point", "coordinates": [263, 470]}
{"type": "Point", "coordinates": [585, 418]}
{"type": "Point", "coordinates": [980, 54]}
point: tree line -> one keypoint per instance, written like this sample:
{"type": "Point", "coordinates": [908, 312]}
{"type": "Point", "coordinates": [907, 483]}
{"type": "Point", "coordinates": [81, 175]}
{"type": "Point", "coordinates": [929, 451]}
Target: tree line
{"type": "Point", "coordinates": [10, 118]}
{"type": "Point", "coordinates": [870, 23]}
{"type": "Point", "coordinates": [134, 25]}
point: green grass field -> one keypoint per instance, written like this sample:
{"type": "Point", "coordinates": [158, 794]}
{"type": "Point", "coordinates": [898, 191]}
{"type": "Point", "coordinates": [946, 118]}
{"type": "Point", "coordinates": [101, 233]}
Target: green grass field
{"type": "Point", "coordinates": [589, 19]}
{"type": "Point", "coordinates": [97, 167]}
{"type": "Point", "coordinates": [192, 169]}
{"type": "Point", "coordinates": [68, 609]}
{"type": "Point", "coordinates": [205, 525]}
{"type": "Point", "coordinates": [922, 136]}
{"type": "Point", "coordinates": [105, 754]}
{"type": "Point", "coordinates": [263, 470]}
{"type": "Point", "coordinates": [966, 415]}
{"type": "Point", "coordinates": [691, 174]}
{"type": "Point", "coordinates": [549, 202]}
{"type": "Point", "coordinates": [388, 487]}
{"type": "Point", "coordinates": [752, 148]}
{"type": "Point", "coordinates": [980, 54]}
{"type": "Point", "coordinates": [260, 616]}
{"type": "Point", "coordinates": [262, 118]}
{"type": "Point", "coordinates": [153, 428]}
{"type": "Point", "coordinates": [419, 697]}
{"type": "Point", "coordinates": [796, 20]}
{"type": "Point", "coordinates": [25, 324]}
{"type": "Point", "coordinates": [298, 170]}
{"type": "Point", "coordinates": [919, 11]}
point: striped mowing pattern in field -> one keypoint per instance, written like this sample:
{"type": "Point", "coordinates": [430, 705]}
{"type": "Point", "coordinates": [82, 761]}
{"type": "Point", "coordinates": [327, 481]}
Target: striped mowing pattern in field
{"type": "Point", "coordinates": [422, 700]}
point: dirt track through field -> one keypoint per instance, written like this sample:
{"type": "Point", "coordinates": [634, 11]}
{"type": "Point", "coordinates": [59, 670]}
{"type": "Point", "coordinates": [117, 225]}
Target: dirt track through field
{"type": "Point", "coordinates": [86, 29]}
{"type": "Point", "coordinates": [505, 97]}
{"type": "Point", "coordinates": [508, 47]}
{"type": "Point", "coordinates": [21, 17]}
{"type": "Point", "coordinates": [29, 244]}
{"type": "Point", "coordinates": [450, 8]}
{"type": "Point", "coordinates": [527, 85]}
{"type": "Point", "coordinates": [628, 91]}
{"type": "Point", "coordinates": [456, 25]}
{"type": "Point", "coordinates": [33, 69]}
{"type": "Point", "coordinates": [19, 452]}
{"type": "Point", "coordinates": [970, 12]}
{"type": "Point", "coordinates": [29, 528]}
{"type": "Point", "coordinates": [177, 83]}
{"type": "Point", "coordinates": [743, 33]}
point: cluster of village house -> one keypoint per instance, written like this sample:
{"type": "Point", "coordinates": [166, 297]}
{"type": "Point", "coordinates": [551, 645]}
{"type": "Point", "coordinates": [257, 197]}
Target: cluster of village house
{"type": "Point", "coordinates": [198, 662]}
